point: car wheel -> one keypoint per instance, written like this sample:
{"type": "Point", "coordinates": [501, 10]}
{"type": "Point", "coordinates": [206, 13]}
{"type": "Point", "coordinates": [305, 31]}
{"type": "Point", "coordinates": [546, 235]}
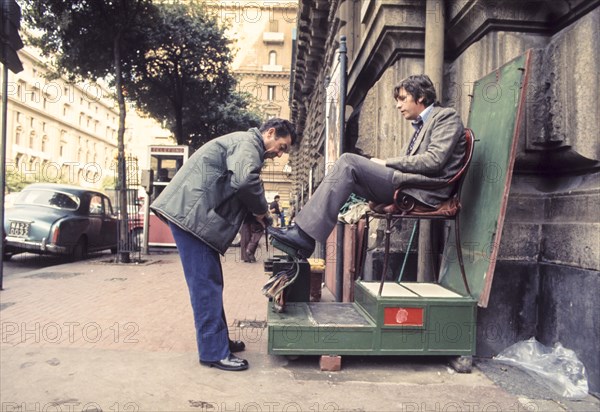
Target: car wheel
{"type": "Point", "coordinates": [80, 250]}
{"type": "Point", "coordinates": [137, 236]}
{"type": "Point", "coordinates": [236, 240]}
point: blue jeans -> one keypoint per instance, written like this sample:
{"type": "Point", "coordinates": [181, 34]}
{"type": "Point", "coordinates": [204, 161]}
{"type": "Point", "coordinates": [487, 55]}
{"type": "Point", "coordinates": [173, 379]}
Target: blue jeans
{"type": "Point", "coordinates": [204, 277]}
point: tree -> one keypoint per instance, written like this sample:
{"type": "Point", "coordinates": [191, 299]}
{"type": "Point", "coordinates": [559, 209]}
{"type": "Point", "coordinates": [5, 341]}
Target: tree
{"type": "Point", "coordinates": [221, 118]}
{"type": "Point", "coordinates": [184, 78]}
{"type": "Point", "coordinates": [92, 40]}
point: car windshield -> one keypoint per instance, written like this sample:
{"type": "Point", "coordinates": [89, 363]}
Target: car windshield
{"type": "Point", "coordinates": [50, 198]}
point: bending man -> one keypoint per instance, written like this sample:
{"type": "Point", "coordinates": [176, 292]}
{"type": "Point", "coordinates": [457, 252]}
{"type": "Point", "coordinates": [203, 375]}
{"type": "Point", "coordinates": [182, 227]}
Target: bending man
{"type": "Point", "coordinates": [205, 205]}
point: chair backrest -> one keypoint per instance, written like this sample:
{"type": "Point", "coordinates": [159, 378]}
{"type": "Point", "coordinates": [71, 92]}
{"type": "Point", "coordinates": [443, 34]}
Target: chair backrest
{"type": "Point", "coordinates": [459, 178]}
{"type": "Point", "coordinates": [405, 203]}
{"type": "Point", "coordinates": [469, 147]}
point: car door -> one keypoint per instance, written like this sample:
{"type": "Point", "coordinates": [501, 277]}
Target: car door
{"type": "Point", "coordinates": [96, 218]}
{"type": "Point", "coordinates": [109, 225]}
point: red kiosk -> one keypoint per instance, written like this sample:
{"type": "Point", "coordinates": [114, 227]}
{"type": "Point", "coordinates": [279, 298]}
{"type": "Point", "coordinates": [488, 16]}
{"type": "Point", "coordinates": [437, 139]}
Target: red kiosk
{"type": "Point", "coordinates": [164, 162]}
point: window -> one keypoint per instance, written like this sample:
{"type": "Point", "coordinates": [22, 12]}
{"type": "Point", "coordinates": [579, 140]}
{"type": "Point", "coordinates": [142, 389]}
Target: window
{"type": "Point", "coordinates": [107, 206]}
{"type": "Point", "coordinates": [32, 139]}
{"type": "Point", "coordinates": [272, 58]}
{"type": "Point", "coordinates": [49, 198]}
{"type": "Point", "coordinates": [96, 205]}
{"type": "Point", "coordinates": [271, 93]}
{"type": "Point", "coordinates": [63, 143]}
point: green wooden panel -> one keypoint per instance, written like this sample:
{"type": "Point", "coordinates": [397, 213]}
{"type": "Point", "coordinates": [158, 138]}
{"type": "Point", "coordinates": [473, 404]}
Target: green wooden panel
{"type": "Point", "coordinates": [451, 328]}
{"type": "Point", "coordinates": [494, 117]}
{"type": "Point", "coordinates": [406, 340]}
{"type": "Point", "coordinates": [347, 329]}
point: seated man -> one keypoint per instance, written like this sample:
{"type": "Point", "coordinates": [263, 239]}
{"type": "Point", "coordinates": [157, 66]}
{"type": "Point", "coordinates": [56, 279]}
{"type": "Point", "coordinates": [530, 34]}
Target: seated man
{"type": "Point", "coordinates": [433, 154]}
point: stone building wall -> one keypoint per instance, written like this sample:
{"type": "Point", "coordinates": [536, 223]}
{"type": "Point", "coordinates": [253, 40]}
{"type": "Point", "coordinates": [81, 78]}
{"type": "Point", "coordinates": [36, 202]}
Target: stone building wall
{"type": "Point", "coordinates": [548, 274]}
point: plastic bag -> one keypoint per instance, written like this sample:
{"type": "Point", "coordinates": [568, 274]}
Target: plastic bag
{"type": "Point", "coordinates": [558, 366]}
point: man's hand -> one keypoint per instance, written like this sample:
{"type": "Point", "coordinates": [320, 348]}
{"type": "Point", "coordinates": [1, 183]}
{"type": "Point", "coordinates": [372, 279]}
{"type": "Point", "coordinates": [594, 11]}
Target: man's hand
{"type": "Point", "coordinates": [264, 219]}
{"type": "Point", "coordinates": [378, 161]}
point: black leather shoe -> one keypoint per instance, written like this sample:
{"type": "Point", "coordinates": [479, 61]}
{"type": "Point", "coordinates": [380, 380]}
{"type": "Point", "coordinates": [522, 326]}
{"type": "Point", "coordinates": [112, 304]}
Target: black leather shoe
{"type": "Point", "coordinates": [236, 346]}
{"type": "Point", "coordinates": [230, 363]}
{"type": "Point", "coordinates": [294, 238]}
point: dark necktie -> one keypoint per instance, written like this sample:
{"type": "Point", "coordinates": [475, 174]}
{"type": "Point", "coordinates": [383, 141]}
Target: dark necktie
{"type": "Point", "coordinates": [418, 125]}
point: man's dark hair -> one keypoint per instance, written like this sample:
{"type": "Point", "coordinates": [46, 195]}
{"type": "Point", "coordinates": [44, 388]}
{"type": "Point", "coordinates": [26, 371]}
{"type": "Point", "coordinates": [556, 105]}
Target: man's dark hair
{"type": "Point", "coordinates": [276, 197]}
{"type": "Point", "coordinates": [282, 128]}
{"type": "Point", "coordinates": [418, 86]}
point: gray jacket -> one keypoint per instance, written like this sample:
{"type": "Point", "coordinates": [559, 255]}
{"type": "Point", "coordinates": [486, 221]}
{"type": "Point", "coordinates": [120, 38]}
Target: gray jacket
{"type": "Point", "coordinates": [215, 189]}
{"type": "Point", "coordinates": [436, 156]}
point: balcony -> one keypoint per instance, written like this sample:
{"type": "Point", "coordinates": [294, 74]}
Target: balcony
{"type": "Point", "coordinates": [271, 37]}
{"type": "Point", "coordinates": [272, 68]}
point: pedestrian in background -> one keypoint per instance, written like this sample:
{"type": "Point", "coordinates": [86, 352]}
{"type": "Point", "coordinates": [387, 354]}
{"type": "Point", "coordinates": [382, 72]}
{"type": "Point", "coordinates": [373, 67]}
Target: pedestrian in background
{"type": "Point", "coordinates": [251, 234]}
{"type": "Point", "coordinates": [275, 211]}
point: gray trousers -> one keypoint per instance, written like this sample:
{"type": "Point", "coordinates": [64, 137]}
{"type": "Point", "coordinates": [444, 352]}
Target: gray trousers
{"type": "Point", "coordinates": [350, 174]}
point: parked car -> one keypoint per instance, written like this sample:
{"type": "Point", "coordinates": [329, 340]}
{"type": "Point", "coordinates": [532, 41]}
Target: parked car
{"type": "Point", "coordinates": [59, 219]}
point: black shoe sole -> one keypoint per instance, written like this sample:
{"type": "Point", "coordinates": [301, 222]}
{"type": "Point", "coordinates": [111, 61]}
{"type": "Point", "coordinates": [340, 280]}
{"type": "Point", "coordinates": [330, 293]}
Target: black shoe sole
{"type": "Point", "coordinates": [292, 251]}
{"type": "Point", "coordinates": [223, 367]}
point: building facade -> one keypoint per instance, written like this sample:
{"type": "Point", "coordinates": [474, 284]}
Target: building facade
{"type": "Point", "coordinates": [65, 132]}
{"type": "Point", "coordinates": [58, 131]}
{"type": "Point", "coordinates": [547, 275]}
{"type": "Point", "coordinates": [263, 34]}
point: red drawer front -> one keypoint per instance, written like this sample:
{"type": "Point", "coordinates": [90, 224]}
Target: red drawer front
{"type": "Point", "coordinates": [403, 316]}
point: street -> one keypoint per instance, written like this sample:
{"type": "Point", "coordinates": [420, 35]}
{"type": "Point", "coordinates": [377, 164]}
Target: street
{"type": "Point", "coordinates": [91, 335]}
{"type": "Point", "coordinates": [25, 262]}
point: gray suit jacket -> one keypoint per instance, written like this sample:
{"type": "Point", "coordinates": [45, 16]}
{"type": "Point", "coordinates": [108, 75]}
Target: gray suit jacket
{"type": "Point", "coordinates": [435, 157]}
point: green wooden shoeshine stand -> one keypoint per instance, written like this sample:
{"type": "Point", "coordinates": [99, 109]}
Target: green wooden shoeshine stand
{"type": "Point", "coordinates": [427, 318]}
